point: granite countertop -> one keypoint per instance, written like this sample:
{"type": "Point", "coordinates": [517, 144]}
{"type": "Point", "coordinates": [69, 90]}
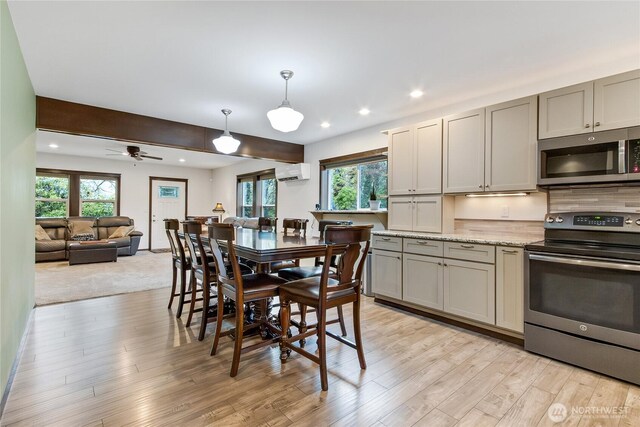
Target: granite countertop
{"type": "Point", "coordinates": [506, 239]}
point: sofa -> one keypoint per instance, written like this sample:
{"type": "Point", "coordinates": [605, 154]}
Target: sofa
{"type": "Point", "coordinates": [60, 235]}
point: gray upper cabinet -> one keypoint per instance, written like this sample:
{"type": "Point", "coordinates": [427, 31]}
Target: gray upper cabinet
{"type": "Point", "coordinates": [510, 145]}
{"type": "Point", "coordinates": [608, 103]}
{"type": "Point", "coordinates": [616, 101]}
{"type": "Point", "coordinates": [415, 153]}
{"type": "Point", "coordinates": [463, 162]}
{"type": "Point", "coordinates": [401, 147]}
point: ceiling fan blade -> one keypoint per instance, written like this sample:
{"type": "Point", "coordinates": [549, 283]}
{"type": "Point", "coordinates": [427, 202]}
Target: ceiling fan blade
{"type": "Point", "coordinates": [142, 152]}
{"type": "Point", "coordinates": [119, 154]}
{"type": "Point", "coordinates": [151, 157]}
{"type": "Point", "coordinates": [137, 158]}
{"type": "Point", "coordinates": [115, 151]}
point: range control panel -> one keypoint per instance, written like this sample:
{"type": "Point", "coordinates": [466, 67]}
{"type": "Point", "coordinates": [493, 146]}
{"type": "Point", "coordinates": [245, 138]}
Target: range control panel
{"type": "Point", "coordinates": [612, 221]}
{"type": "Point", "coordinates": [599, 220]}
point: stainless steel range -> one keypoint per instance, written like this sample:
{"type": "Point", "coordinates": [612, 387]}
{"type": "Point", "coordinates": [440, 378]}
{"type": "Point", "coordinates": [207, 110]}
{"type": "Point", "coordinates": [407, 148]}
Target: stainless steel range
{"type": "Point", "coordinates": [582, 292]}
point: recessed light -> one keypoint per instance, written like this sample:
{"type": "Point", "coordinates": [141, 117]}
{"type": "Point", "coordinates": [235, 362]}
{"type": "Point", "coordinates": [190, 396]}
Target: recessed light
{"type": "Point", "coordinates": [364, 111]}
{"type": "Point", "coordinates": [181, 160]}
{"type": "Point", "coordinates": [53, 145]}
{"type": "Point", "coordinates": [325, 124]}
{"type": "Point", "coordinates": [416, 93]}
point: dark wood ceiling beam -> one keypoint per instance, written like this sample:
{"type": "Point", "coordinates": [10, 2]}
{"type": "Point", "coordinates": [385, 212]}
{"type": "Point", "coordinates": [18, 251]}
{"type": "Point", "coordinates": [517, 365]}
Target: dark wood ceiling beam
{"type": "Point", "coordinates": [79, 119]}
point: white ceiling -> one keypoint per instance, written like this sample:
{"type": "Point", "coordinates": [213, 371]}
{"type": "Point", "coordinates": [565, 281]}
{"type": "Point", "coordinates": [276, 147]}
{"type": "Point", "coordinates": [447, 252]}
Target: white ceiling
{"type": "Point", "coordinates": [83, 146]}
{"type": "Point", "coordinates": [185, 61]}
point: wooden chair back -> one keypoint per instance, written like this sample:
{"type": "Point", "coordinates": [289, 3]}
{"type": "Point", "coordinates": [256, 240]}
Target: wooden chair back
{"type": "Point", "coordinates": [172, 226]}
{"type": "Point", "coordinates": [296, 226]}
{"type": "Point", "coordinates": [267, 224]}
{"type": "Point", "coordinates": [352, 242]}
{"type": "Point", "coordinates": [192, 230]}
{"type": "Point", "coordinates": [225, 233]}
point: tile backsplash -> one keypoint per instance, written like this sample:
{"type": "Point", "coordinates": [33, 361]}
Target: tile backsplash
{"type": "Point", "coordinates": [525, 229]}
{"type": "Point", "coordinates": [600, 199]}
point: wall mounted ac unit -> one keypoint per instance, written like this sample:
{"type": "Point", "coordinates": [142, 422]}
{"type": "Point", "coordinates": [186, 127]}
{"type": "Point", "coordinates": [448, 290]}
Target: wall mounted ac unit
{"type": "Point", "coordinates": [297, 172]}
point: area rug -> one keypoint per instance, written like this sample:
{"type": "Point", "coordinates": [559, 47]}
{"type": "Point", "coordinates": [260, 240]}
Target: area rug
{"type": "Point", "coordinates": [59, 282]}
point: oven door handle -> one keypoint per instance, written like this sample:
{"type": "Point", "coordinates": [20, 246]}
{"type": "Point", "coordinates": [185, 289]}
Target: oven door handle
{"type": "Point", "coordinates": [586, 262]}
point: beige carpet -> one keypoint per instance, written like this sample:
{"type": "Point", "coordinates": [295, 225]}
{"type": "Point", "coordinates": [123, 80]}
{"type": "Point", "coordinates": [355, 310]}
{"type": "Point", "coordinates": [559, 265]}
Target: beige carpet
{"type": "Point", "coordinates": [59, 282]}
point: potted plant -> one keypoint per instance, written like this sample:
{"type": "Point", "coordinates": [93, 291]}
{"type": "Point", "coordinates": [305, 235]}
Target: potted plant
{"type": "Point", "coordinates": [374, 203]}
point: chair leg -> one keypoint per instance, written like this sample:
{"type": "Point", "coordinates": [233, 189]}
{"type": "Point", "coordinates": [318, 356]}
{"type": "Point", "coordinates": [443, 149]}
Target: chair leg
{"type": "Point", "coordinates": [173, 283]}
{"type": "Point", "coordinates": [358, 334]}
{"type": "Point", "coordinates": [322, 348]}
{"type": "Point", "coordinates": [285, 318]}
{"type": "Point", "coordinates": [204, 319]}
{"type": "Point", "coordinates": [303, 322]}
{"type": "Point", "coordinates": [183, 291]}
{"type": "Point", "coordinates": [194, 289]}
{"type": "Point", "coordinates": [237, 347]}
{"type": "Point", "coordinates": [219, 317]}
{"type": "Point", "coordinates": [343, 328]}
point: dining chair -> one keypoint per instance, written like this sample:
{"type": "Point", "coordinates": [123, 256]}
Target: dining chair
{"type": "Point", "coordinates": [241, 289]}
{"type": "Point", "coordinates": [267, 224]}
{"type": "Point", "coordinates": [295, 226]}
{"type": "Point", "coordinates": [201, 275]}
{"type": "Point", "coordinates": [327, 291]}
{"type": "Point", "coordinates": [179, 262]}
{"type": "Point", "coordinates": [298, 272]}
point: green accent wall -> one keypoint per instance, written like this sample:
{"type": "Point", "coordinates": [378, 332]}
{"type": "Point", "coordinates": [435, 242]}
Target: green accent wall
{"type": "Point", "coordinates": [17, 187]}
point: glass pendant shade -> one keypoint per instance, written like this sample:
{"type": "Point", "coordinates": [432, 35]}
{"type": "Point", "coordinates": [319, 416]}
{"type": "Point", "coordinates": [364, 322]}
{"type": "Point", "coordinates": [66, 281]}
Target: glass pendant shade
{"type": "Point", "coordinates": [225, 143]}
{"type": "Point", "coordinates": [284, 118]}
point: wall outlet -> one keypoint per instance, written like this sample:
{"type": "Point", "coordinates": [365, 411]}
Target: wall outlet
{"type": "Point", "coordinates": [505, 212]}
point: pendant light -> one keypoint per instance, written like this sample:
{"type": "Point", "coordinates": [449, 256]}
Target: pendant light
{"type": "Point", "coordinates": [284, 118]}
{"type": "Point", "coordinates": [225, 143]}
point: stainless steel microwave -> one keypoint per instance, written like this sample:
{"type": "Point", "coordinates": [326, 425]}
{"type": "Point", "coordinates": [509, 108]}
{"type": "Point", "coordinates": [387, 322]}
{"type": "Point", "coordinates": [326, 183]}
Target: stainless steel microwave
{"type": "Point", "coordinates": [610, 156]}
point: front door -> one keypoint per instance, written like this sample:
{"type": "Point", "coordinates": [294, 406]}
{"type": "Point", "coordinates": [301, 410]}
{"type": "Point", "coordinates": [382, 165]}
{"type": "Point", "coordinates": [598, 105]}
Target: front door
{"type": "Point", "coordinates": [168, 200]}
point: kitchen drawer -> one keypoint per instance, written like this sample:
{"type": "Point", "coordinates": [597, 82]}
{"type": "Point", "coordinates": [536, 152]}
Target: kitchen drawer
{"type": "Point", "coordinates": [387, 243]}
{"type": "Point", "coordinates": [470, 252]}
{"type": "Point", "coordinates": [423, 247]}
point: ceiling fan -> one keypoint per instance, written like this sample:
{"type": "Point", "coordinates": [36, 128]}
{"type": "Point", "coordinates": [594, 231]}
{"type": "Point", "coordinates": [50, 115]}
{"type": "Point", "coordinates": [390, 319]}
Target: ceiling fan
{"type": "Point", "coordinates": [133, 152]}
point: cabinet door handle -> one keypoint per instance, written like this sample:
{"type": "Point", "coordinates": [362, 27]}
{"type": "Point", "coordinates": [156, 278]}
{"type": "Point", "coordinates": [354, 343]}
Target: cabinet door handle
{"type": "Point", "coordinates": [439, 263]}
{"type": "Point", "coordinates": [597, 124]}
{"type": "Point", "coordinates": [422, 242]}
{"type": "Point", "coordinates": [509, 252]}
{"type": "Point", "coordinates": [467, 246]}
{"type": "Point", "coordinates": [398, 257]}
{"type": "Point", "coordinates": [386, 239]}
{"type": "Point", "coordinates": [587, 126]}
{"type": "Point", "coordinates": [486, 186]}
{"type": "Point", "coordinates": [446, 265]}
{"type": "Point", "coordinates": [480, 187]}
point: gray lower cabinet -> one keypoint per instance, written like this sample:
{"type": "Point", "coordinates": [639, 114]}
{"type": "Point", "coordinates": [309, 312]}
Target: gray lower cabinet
{"type": "Point", "coordinates": [387, 273]}
{"type": "Point", "coordinates": [479, 282]}
{"type": "Point", "coordinates": [510, 288]}
{"type": "Point", "coordinates": [422, 280]}
{"type": "Point", "coordinates": [469, 290]}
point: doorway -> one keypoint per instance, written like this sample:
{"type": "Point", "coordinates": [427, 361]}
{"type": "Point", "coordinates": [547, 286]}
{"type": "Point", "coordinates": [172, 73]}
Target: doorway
{"type": "Point", "coordinates": [167, 199]}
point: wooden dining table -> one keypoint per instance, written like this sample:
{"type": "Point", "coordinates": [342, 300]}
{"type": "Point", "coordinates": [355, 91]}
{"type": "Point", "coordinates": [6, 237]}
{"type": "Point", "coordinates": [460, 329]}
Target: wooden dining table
{"type": "Point", "coordinates": [265, 247]}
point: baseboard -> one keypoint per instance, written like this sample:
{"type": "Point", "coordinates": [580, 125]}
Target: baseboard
{"type": "Point", "coordinates": [16, 362]}
{"type": "Point", "coordinates": [458, 323]}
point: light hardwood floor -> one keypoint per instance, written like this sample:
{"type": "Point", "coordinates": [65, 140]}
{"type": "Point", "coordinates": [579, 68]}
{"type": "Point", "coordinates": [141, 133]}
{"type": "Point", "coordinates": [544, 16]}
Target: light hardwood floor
{"type": "Point", "coordinates": [126, 360]}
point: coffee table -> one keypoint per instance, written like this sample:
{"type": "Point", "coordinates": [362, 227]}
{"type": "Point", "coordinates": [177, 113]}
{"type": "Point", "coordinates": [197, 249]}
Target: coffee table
{"type": "Point", "coordinates": [93, 251]}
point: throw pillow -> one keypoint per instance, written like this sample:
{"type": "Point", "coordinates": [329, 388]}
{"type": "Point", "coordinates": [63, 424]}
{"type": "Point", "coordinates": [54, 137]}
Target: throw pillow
{"type": "Point", "coordinates": [41, 234]}
{"type": "Point", "coordinates": [122, 231]}
{"type": "Point", "coordinates": [81, 227]}
{"type": "Point", "coordinates": [83, 237]}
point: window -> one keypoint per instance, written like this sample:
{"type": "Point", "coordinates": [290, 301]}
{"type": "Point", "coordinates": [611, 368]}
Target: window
{"type": "Point", "coordinates": [346, 182]}
{"type": "Point", "coordinates": [52, 196]}
{"type": "Point", "coordinates": [61, 193]}
{"type": "Point", "coordinates": [165, 192]}
{"type": "Point", "coordinates": [98, 196]}
{"type": "Point", "coordinates": [257, 194]}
